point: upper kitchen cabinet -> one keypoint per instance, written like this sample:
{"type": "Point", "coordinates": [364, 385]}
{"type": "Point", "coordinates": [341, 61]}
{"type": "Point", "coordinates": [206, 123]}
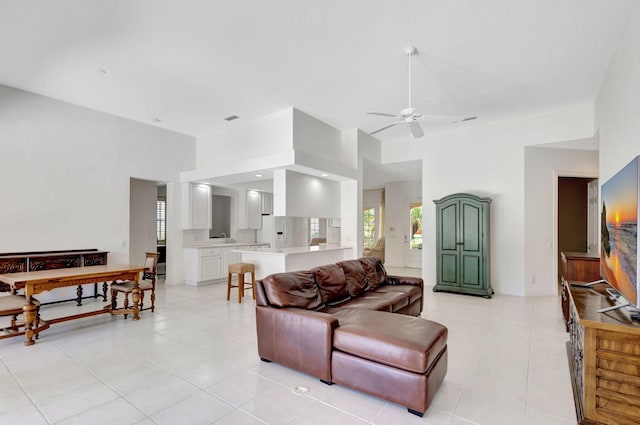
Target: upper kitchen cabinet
{"type": "Point", "coordinates": [254, 205]}
{"type": "Point", "coordinates": [266, 203]}
{"type": "Point", "coordinates": [249, 209]}
{"type": "Point", "coordinates": [196, 206]}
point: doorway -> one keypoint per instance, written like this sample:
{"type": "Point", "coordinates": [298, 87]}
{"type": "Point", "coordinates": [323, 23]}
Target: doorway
{"type": "Point", "coordinates": [577, 215]}
{"type": "Point", "coordinates": [161, 229]}
{"type": "Point", "coordinates": [413, 236]}
{"type": "Point", "coordinates": [147, 221]}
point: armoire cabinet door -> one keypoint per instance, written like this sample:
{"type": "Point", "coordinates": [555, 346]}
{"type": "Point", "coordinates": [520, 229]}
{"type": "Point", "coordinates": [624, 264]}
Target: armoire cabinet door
{"type": "Point", "coordinates": [471, 254]}
{"type": "Point", "coordinates": [448, 254]}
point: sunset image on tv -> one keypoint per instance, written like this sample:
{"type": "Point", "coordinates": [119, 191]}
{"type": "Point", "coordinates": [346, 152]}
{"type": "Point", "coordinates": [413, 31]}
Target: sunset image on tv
{"type": "Point", "coordinates": [619, 230]}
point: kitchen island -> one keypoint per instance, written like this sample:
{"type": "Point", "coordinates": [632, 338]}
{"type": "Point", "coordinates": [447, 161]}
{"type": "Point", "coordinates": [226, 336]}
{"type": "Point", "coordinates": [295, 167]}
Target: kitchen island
{"type": "Point", "coordinates": [272, 260]}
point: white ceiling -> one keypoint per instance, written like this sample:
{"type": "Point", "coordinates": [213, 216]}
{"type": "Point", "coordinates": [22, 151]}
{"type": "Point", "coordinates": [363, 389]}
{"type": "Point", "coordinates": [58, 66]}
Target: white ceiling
{"type": "Point", "coordinates": [191, 63]}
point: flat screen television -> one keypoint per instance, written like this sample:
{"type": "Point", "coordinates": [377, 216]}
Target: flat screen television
{"type": "Point", "coordinates": [619, 234]}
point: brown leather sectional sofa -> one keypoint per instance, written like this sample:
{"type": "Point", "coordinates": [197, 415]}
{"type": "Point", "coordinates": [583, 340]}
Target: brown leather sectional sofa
{"type": "Point", "coordinates": [352, 324]}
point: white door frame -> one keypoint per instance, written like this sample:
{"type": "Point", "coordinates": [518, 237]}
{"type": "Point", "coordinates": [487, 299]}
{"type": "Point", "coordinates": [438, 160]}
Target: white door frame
{"type": "Point", "coordinates": [412, 259]}
{"type": "Point", "coordinates": [554, 249]}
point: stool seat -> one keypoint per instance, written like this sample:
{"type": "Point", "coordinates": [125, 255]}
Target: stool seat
{"type": "Point", "coordinates": [240, 269]}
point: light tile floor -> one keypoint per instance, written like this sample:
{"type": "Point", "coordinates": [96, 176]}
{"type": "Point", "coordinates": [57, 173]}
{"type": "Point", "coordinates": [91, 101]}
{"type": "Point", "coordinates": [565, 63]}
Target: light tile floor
{"type": "Point", "coordinates": [194, 361]}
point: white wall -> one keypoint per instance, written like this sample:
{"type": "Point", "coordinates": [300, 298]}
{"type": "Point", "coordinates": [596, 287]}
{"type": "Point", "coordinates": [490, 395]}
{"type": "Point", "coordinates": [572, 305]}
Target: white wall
{"type": "Point", "coordinates": [309, 196]}
{"type": "Point", "coordinates": [316, 138]}
{"type": "Point", "coordinates": [487, 159]}
{"type": "Point", "coordinates": [617, 109]}
{"type": "Point", "coordinates": [543, 166]}
{"type": "Point", "coordinates": [372, 198]}
{"type": "Point", "coordinates": [264, 136]}
{"type": "Point", "coordinates": [66, 175]}
{"type": "Point", "coordinates": [351, 216]}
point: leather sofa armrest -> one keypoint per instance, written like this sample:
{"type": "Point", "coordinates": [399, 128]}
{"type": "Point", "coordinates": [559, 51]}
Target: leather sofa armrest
{"type": "Point", "coordinates": [297, 338]}
{"type": "Point", "coordinates": [405, 280]}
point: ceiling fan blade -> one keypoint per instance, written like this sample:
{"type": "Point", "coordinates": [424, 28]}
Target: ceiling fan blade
{"type": "Point", "coordinates": [382, 114]}
{"type": "Point", "coordinates": [416, 130]}
{"type": "Point", "coordinates": [443, 118]}
{"type": "Point", "coordinates": [385, 127]}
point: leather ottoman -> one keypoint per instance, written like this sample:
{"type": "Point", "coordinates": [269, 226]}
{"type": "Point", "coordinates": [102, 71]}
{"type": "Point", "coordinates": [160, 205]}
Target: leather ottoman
{"type": "Point", "coordinates": [398, 358]}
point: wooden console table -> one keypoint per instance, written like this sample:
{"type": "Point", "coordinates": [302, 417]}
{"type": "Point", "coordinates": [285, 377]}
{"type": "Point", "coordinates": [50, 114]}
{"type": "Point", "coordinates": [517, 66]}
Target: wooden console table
{"type": "Point", "coordinates": [15, 262]}
{"type": "Point", "coordinates": [47, 280]}
{"type": "Point", "coordinates": [604, 358]}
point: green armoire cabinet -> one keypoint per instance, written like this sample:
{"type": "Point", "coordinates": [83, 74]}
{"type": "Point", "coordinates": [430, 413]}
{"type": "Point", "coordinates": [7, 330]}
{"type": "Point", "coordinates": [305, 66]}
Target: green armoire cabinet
{"type": "Point", "coordinates": [462, 245]}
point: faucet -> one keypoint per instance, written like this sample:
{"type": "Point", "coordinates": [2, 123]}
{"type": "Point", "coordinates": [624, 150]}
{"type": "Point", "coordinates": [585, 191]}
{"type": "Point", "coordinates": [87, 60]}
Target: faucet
{"type": "Point", "coordinates": [224, 235]}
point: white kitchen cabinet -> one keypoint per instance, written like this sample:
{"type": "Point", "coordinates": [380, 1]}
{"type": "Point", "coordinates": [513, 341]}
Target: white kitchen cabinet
{"type": "Point", "coordinates": [196, 211]}
{"type": "Point", "coordinates": [254, 205]}
{"type": "Point", "coordinates": [249, 209]}
{"type": "Point", "coordinates": [266, 203]}
{"type": "Point", "coordinates": [202, 265]}
{"type": "Point", "coordinates": [210, 268]}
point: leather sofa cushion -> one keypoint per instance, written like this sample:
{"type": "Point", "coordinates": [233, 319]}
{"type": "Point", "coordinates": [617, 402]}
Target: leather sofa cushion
{"type": "Point", "coordinates": [414, 292]}
{"type": "Point", "coordinates": [381, 301]}
{"type": "Point", "coordinates": [332, 283]}
{"type": "Point", "coordinates": [293, 289]}
{"type": "Point", "coordinates": [355, 275]}
{"type": "Point", "coordinates": [376, 274]}
{"type": "Point", "coordinates": [403, 342]}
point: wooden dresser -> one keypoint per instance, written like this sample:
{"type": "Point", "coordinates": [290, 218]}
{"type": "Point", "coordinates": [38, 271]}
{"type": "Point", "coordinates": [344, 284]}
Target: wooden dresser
{"type": "Point", "coordinates": [580, 266]}
{"type": "Point", "coordinates": [604, 358]}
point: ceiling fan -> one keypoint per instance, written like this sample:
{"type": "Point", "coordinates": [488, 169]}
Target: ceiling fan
{"type": "Point", "coordinates": [410, 116]}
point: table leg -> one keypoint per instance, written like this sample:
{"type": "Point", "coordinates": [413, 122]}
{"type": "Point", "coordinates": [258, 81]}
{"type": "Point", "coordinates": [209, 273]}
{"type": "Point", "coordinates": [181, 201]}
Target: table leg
{"type": "Point", "coordinates": [104, 290]}
{"type": "Point", "coordinates": [79, 294]}
{"type": "Point", "coordinates": [29, 313]}
{"type": "Point", "coordinates": [135, 296]}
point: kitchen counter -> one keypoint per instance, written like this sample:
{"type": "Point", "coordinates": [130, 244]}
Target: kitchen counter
{"type": "Point", "coordinates": [207, 244]}
{"type": "Point", "coordinates": [293, 250]}
{"type": "Point", "coordinates": [272, 260]}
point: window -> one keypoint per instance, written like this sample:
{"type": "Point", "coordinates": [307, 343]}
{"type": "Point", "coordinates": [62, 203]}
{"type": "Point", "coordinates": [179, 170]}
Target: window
{"type": "Point", "coordinates": [161, 219]}
{"type": "Point", "coordinates": [415, 214]}
{"type": "Point", "coordinates": [314, 227]}
{"type": "Point", "coordinates": [369, 231]}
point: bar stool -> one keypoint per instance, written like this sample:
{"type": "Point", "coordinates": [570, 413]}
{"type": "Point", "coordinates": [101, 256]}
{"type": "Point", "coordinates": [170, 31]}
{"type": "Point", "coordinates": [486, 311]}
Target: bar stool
{"type": "Point", "coordinates": [241, 269]}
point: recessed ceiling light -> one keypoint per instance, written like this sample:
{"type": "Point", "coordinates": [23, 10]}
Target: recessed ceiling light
{"type": "Point", "coordinates": [231, 118]}
{"type": "Point", "coordinates": [259, 175]}
{"type": "Point", "coordinates": [101, 71]}
{"type": "Point", "coordinates": [324, 175]}
{"type": "Point", "coordinates": [156, 120]}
